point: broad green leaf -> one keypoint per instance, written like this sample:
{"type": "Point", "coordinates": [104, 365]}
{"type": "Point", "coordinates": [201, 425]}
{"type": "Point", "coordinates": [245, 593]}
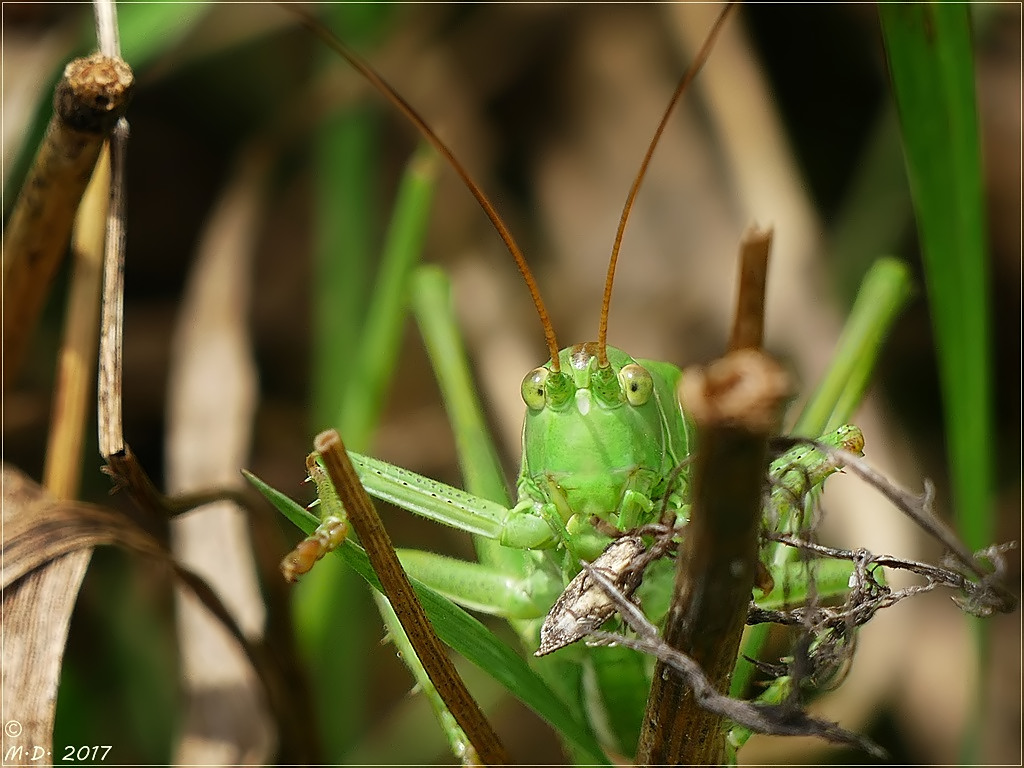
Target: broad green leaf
{"type": "Point", "coordinates": [932, 70]}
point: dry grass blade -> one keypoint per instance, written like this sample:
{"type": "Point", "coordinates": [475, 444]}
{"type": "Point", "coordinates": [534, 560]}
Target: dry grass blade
{"type": "Point", "coordinates": [46, 545]}
{"type": "Point", "coordinates": [89, 99]}
{"type": "Point", "coordinates": [76, 366]}
{"type": "Point", "coordinates": [40, 534]}
{"type": "Point", "coordinates": [748, 326]}
{"type": "Point", "coordinates": [212, 394]}
{"type": "Point", "coordinates": [36, 613]}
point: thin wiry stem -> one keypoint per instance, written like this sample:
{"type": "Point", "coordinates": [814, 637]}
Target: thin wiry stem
{"type": "Point", "coordinates": [779, 720]}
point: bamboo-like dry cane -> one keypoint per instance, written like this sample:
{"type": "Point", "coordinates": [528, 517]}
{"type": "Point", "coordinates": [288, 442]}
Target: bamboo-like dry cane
{"type": "Point", "coordinates": [90, 97]}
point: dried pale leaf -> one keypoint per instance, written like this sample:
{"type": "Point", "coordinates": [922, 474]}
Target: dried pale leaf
{"type": "Point", "coordinates": [73, 391]}
{"type": "Point", "coordinates": [46, 545]}
{"type": "Point", "coordinates": [212, 391]}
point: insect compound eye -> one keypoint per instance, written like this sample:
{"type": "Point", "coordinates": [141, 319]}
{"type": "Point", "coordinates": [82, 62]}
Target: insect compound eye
{"type": "Point", "coordinates": [533, 388]}
{"type": "Point", "coordinates": [637, 383]}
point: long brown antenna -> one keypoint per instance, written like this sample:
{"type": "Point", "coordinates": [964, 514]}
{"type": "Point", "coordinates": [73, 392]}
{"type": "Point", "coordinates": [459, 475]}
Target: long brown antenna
{"type": "Point", "coordinates": [698, 62]}
{"type": "Point", "coordinates": [392, 95]}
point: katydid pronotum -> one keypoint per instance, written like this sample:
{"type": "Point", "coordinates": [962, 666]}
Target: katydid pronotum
{"type": "Point", "coordinates": [603, 474]}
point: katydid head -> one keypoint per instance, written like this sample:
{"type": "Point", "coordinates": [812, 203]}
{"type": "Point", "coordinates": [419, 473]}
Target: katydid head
{"type": "Point", "coordinates": [597, 433]}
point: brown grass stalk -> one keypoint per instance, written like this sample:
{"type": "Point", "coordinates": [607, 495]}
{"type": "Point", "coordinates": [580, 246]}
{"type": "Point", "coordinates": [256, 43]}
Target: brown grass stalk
{"type": "Point", "coordinates": [399, 592]}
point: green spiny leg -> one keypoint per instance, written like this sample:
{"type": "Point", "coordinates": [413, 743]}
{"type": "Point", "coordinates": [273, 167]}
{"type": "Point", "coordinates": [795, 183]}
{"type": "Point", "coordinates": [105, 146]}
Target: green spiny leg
{"type": "Point", "coordinates": [797, 476]}
{"type": "Point", "coordinates": [448, 505]}
{"type": "Point", "coordinates": [485, 588]}
{"type": "Point", "coordinates": [328, 536]}
{"type": "Point", "coordinates": [458, 743]}
{"type": "Point", "coordinates": [830, 649]}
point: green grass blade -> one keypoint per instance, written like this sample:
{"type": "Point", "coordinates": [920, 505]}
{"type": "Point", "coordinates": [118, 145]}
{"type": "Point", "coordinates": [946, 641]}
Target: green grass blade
{"type": "Point", "coordinates": [330, 606]}
{"type": "Point", "coordinates": [462, 632]}
{"type": "Point", "coordinates": [458, 743]}
{"type": "Point", "coordinates": [345, 217]}
{"type": "Point", "coordinates": [327, 606]}
{"type": "Point", "coordinates": [932, 70]}
{"type": "Point", "coordinates": [478, 458]}
{"type": "Point", "coordinates": [883, 294]}
{"type": "Point", "coordinates": [382, 330]}
{"type": "Point", "coordinates": [347, 163]}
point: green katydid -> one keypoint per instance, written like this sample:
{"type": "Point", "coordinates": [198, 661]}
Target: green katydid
{"type": "Point", "coordinates": [604, 440]}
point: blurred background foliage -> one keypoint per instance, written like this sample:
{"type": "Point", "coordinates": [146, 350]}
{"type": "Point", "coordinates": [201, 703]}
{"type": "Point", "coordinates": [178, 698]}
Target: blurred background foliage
{"type": "Point", "coordinates": [551, 108]}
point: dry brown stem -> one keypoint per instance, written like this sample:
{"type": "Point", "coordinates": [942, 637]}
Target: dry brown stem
{"type": "Point", "coordinates": [735, 403]}
{"type": "Point", "coordinates": [748, 324]}
{"type": "Point", "coordinates": [90, 97]}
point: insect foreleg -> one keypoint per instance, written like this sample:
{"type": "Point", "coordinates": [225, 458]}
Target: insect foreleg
{"type": "Point", "coordinates": [450, 506]}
